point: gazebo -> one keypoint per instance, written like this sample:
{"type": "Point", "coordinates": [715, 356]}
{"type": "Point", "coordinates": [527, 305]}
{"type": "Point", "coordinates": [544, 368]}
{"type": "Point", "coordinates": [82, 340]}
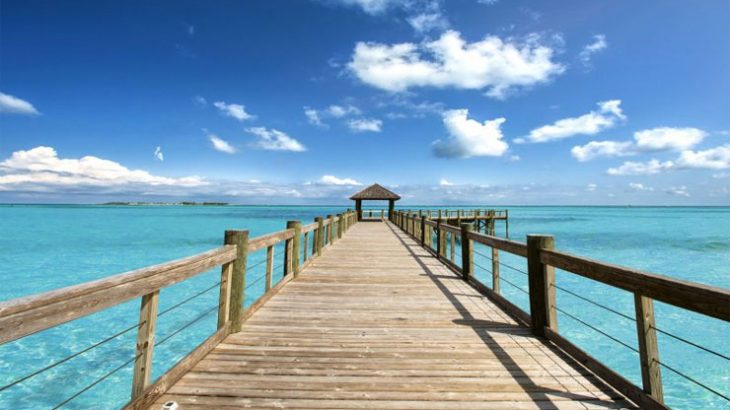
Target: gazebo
{"type": "Point", "coordinates": [375, 192]}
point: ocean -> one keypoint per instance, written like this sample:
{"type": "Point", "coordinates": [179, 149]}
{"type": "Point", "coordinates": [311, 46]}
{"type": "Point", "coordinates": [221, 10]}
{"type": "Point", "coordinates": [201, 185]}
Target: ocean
{"type": "Point", "coordinates": [44, 247]}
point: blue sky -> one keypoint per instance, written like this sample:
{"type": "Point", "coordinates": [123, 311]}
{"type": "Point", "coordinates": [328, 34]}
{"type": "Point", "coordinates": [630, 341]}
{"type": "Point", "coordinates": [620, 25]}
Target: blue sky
{"type": "Point", "coordinates": [465, 101]}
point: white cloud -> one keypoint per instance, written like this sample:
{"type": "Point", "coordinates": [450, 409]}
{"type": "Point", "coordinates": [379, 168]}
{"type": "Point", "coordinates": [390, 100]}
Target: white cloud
{"type": "Point", "coordinates": [275, 140]}
{"type": "Point", "coordinates": [641, 168]}
{"type": "Point", "coordinates": [717, 158]}
{"type": "Point", "coordinates": [316, 117]}
{"type": "Point", "coordinates": [650, 140]}
{"type": "Point", "coordinates": [635, 186]}
{"type": "Point", "coordinates": [365, 125]}
{"type": "Point", "coordinates": [159, 155]}
{"type": "Point", "coordinates": [236, 111]}
{"type": "Point", "coordinates": [370, 6]}
{"type": "Point", "coordinates": [14, 105]}
{"type": "Point", "coordinates": [425, 22]}
{"type": "Point", "coordinates": [599, 43]}
{"type": "Point", "coordinates": [200, 100]}
{"type": "Point", "coordinates": [445, 182]}
{"type": "Point", "coordinates": [313, 117]}
{"type": "Point", "coordinates": [339, 111]}
{"type": "Point", "coordinates": [470, 138]}
{"type": "Point", "coordinates": [667, 138]}
{"type": "Point", "coordinates": [679, 191]}
{"type": "Point", "coordinates": [493, 63]}
{"type": "Point", "coordinates": [333, 180]}
{"type": "Point", "coordinates": [219, 144]}
{"type": "Point", "coordinates": [713, 158]}
{"type": "Point", "coordinates": [40, 169]}
{"type": "Point", "coordinates": [591, 187]}
{"type": "Point", "coordinates": [608, 115]}
{"type": "Point", "coordinates": [595, 149]}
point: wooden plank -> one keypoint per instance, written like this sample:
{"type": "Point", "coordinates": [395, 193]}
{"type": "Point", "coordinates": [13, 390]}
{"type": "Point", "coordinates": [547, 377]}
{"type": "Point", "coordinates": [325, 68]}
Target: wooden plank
{"type": "Point", "coordinates": [27, 315]}
{"type": "Point", "coordinates": [264, 241]}
{"type": "Point", "coordinates": [513, 247]}
{"type": "Point", "coordinates": [378, 322]}
{"type": "Point", "coordinates": [145, 343]}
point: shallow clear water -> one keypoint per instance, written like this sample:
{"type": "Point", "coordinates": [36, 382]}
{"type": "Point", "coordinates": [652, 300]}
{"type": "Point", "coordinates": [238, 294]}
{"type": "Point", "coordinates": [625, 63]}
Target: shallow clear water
{"type": "Point", "coordinates": [43, 247]}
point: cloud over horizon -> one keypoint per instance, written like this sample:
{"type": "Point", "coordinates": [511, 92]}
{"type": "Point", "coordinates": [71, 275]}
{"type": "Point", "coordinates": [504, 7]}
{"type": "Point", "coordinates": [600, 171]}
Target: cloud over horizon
{"type": "Point", "coordinates": [493, 64]}
{"type": "Point", "coordinates": [470, 138]}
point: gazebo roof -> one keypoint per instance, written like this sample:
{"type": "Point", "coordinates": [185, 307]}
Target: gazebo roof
{"type": "Point", "coordinates": [375, 192]}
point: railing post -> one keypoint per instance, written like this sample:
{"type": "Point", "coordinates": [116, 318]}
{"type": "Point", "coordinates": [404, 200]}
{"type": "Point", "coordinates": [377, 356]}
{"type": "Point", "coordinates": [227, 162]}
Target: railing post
{"type": "Point", "coordinates": [495, 270]}
{"type": "Point", "coordinates": [269, 265]}
{"type": "Point", "coordinates": [319, 235]}
{"type": "Point", "coordinates": [145, 343]}
{"type": "Point", "coordinates": [467, 251]}
{"type": "Point", "coordinates": [440, 237]}
{"type": "Point", "coordinates": [428, 234]}
{"type": "Point", "coordinates": [541, 280]}
{"type": "Point", "coordinates": [238, 277]}
{"type": "Point", "coordinates": [423, 231]}
{"type": "Point", "coordinates": [291, 264]}
{"type": "Point", "coordinates": [224, 296]}
{"type": "Point", "coordinates": [339, 226]}
{"type": "Point", "coordinates": [651, 373]}
{"type": "Point", "coordinates": [331, 230]}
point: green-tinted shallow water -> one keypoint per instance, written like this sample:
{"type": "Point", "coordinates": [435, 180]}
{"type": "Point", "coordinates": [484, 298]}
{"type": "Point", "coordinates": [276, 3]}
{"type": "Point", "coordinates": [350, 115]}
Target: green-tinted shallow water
{"type": "Point", "coordinates": [43, 247]}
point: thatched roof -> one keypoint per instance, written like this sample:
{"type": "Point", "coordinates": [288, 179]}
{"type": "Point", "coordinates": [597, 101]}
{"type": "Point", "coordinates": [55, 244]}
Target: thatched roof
{"type": "Point", "coordinates": [375, 192]}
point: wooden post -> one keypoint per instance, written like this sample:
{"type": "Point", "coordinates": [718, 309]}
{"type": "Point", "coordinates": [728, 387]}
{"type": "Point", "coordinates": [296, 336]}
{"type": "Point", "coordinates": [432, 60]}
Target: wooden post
{"type": "Point", "coordinates": [319, 235]}
{"type": "Point", "coordinates": [291, 264]}
{"type": "Point", "coordinates": [391, 209]}
{"type": "Point", "coordinates": [358, 209]}
{"type": "Point", "coordinates": [331, 230]}
{"type": "Point", "coordinates": [506, 223]}
{"type": "Point", "coordinates": [467, 251]}
{"type": "Point", "coordinates": [224, 296]}
{"type": "Point", "coordinates": [495, 270]}
{"type": "Point", "coordinates": [145, 343]}
{"type": "Point", "coordinates": [305, 246]}
{"type": "Point", "coordinates": [238, 277]}
{"type": "Point", "coordinates": [452, 245]}
{"type": "Point", "coordinates": [423, 230]}
{"type": "Point", "coordinates": [651, 372]}
{"type": "Point", "coordinates": [340, 227]}
{"type": "Point", "coordinates": [440, 237]}
{"type": "Point", "coordinates": [541, 280]}
{"type": "Point", "coordinates": [269, 266]}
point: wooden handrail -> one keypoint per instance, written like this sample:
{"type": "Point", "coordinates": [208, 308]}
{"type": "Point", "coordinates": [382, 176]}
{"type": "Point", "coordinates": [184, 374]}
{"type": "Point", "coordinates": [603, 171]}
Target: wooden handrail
{"type": "Point", "coordinates": [514, 247]}
{"type": "Point", "coordinates": [27, 315]}
{"type": "Point", "coordinates": [542, 259]}
{"type": "Point", "coordinates": [708, 300]}
{"type": "Point", "coordinates": [265, 241]}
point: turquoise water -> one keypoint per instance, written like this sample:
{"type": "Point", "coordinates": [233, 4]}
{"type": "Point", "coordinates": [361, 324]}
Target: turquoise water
{"type": "Point", "coordinates": [43, 247]}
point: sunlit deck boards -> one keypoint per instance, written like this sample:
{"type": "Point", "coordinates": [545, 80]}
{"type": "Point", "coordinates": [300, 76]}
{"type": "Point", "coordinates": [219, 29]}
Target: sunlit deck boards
{"type": "Point", "coordinates": [378, 323]}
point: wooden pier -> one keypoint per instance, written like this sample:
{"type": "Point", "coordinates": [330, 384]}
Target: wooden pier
{"type": "Point", "coordinates": [378, 322]}
{"type": "Point", "coordinates": [379, 315]}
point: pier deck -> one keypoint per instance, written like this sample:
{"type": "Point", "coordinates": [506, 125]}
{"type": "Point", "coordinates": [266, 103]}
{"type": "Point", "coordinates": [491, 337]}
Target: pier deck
{"type": "Point", "coordinates": [378, 322]}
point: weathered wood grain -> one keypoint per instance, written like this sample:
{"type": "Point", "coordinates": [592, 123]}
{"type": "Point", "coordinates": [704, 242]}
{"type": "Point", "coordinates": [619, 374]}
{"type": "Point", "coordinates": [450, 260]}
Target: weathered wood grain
{"type": "Point", "coordinates": [378, 322]}
{"type": "Point", "coordinates": [27, 315]}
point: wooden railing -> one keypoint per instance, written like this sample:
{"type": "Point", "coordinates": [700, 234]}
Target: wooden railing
{"type": "Point", "coordinates": [28, 315]}
{"type": "Point", "coordinates": [542, 259]}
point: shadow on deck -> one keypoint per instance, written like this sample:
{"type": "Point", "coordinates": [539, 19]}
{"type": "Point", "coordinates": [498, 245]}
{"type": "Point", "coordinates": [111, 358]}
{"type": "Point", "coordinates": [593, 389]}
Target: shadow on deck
{"type": "Point", "coordinates": [377, 322]}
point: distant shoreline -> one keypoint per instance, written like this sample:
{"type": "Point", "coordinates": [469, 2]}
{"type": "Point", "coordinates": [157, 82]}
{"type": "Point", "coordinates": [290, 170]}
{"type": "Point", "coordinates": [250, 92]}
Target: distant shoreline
{"type": "Point", "coordinates": [185, 203]}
